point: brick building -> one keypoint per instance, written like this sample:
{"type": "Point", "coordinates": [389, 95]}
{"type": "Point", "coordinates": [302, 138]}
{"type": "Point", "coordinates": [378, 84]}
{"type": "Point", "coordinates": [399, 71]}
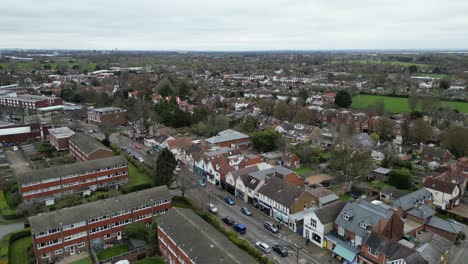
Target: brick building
{"type": "Point", "coordinates": [185, 238]}
{"type": "Point", "coordinates": [107, 114]}
{"type": "Point", "coordinates": [15, 134]}
{"type": "Point", "coordinates": [84, 147]}
{"type": "Point", "coordinates": [73, 230]}
{"type": "Point", "coordinates": [58, 137]}
{"type": "Point", "coordinates": [231, 139]}
{"type": "Point", "coordinates": [30, 102]}
{"type": "Point", "coordinates": [47, 184]}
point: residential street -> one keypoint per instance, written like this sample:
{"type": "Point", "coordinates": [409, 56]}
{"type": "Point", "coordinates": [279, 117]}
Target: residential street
{"type": "Point", "coordinates": [254, 224]}
{"type": "Point", "coordinates": [459, 252]}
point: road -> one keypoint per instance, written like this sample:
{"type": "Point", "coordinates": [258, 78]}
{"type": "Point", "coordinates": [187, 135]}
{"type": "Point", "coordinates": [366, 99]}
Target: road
{"type": "Point", "coordinates": [254, 224]}
{"type": "Point", "coordinates": [459, 253]}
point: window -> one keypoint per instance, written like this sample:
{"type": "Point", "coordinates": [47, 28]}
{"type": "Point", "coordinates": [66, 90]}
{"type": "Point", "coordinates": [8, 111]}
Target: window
{"type": "Point", "coordinates": [346, 216]}
{"type": "Point", "coordinates": [313, 223]}
{"type": "Point", "coordinates": [58, 251]}
{"type": "Point", "coordinates": [46, 255]}
{"type": "Point", "coordinates": [340, 231]}
{"type": "Point", "coordinates": [82, 244]}
{"type": "Point", "coordinates": [373, 252]}
{"type": "Point", "coordinates": [363, 224]}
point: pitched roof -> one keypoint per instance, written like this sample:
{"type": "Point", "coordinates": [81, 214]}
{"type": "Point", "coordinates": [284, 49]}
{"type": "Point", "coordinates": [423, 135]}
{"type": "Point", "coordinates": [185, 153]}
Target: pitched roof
{"type": "Point", "coordinates": [179, 143]}
{"type": "Point", "coordinates": [227, 135]}
{"type": "Point", "coordinates": [319, 192]}
{"type": "Point", "coordinates": [75, 214]}
{"type": "Point", "coordinates": [328, 213]}
{"type": "Point", "coordinates": [361, 211]}
{"type": "Point", "coordinates": [439, 184]}
{"type": "Point", "coordinates": [243, 171]}
{"type": "Point", "coordinates": [391, 249]}
{"type": "Point", "coordinates": [86, 143]}
{"type": "Point", "coordinates": [410, 200]}
{"type": "Point", "coordinates": [393, 192]}
{"type": "Point", "coordinates": [434, 151]}
{"type": "Point", "coordinates": [281, 191]}
{"type": "Point", "coordinates": [69, 169]}
{"type": "Point", "coordinates": [422, 212]}
{"type": "Point", "coordinates": [446, 225]}
{"type": "Point", "coordinates": [199, 240]}
{"type": "Point", "coordinates": [434, 248]}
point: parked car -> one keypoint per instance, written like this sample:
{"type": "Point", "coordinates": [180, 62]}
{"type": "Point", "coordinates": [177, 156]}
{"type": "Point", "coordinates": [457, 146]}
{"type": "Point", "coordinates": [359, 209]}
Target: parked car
{"type": "Point", "coordinates": [281, 250]}
{"type": "Point", "coordinates": [264, 247]}
{"type": "Point", "coordinates": [212, 208]}
{"type": "Point", "coordinates": [15, 148]}
{"type": "Point", "coordinates": [239, 228]}
{"type": "Point", "coordinates": [228, 221]}
{"type": "Point", "coordinates": [140, 159]}
{"type": "Point", "coordinates": [202, 183]}
{"type": "Point", "coordinates": [177, 168]}
{"type": "Point", "coordinates": [129, 151]}
{"type": "Point", "coordinates": [137, 146]}
{"type": "Point", "coordinates": [229, 201]}
{"type": "Point", "coordinates": [90, 131]}
{"type": "Point", "coordinates": [246, 211]}
{"type": "Point", "coordinates": [271, 227]}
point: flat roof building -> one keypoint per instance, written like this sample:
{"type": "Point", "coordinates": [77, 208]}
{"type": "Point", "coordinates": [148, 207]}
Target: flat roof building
{"type": "Point", "coordinates": [58, 137]}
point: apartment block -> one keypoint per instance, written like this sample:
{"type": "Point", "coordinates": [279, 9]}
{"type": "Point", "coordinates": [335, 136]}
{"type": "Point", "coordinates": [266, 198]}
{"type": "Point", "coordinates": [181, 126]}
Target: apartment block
{"type": "Point", "coordinates": [69, 231]}
{"type": "Point", "coordinates": [82, 177]}
{"type": "Point", "coordinates": [58, 137]}
{"type": "Point", "coordinates": [107, 114]}
{"type": "Point", "coordinates": [84, 147]}
{"type": "Point", "coordinates": [32, 102]}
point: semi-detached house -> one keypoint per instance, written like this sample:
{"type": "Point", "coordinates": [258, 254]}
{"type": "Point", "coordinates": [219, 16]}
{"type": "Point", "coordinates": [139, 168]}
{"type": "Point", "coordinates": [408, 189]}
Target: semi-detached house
{"type": "Point", "coordinates": [82, 177]}
{"type": "Point", "coordinates": [72, 230]}
{"type": "Point", "coordinates": [446, 194]}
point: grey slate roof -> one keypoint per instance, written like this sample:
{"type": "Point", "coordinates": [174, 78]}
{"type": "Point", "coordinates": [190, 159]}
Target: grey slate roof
{"type": "Point", "coordinates": [243, 171]}
{"type": "Point", "coordinates": [328, 214]}
{"type": "Point", "coordinates": [359, 211]}
{"type": "Point", "coordinates": [86, 143]}
{"type": "Point", "coordinates": [395, 193]}
{"type": "Point", "coordinates": [199, 240]}
{"type": "Point", "coordinates": [281, 191]}
{"type": "Point", "coordinates": [226, 135]}
{"type": "Point", "coordinates": [410, 200]}
{"type": "Point", "coordinates": [422, 212]}
{"type": "Point", "coordinates": [382, 170]}
{"type": "Point", "coordinates": [446, 225]}
{"type": "Point", "coordinates": [388, 247]}
{"type": "Point", "coordinates": [69, 169]}
{"type": "Point", "coordinates": [432, 249]}
{"type": "Point", "coordinates": [71, 215]}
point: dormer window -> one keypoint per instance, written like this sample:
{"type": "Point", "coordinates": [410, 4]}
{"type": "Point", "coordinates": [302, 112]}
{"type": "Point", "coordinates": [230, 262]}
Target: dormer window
{"type": "Point", "coordinates": [347, 217]}
{"type": "Point", "coordinates": [363, 224]}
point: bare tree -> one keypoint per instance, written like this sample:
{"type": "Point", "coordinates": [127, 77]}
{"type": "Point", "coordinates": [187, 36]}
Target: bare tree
{"type": "Point", "coordinates": [182, 179]}
{"type": "Point", "coordinates": [107, 128]}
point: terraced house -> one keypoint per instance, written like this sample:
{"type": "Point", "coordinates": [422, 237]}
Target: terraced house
{"type": "Point", "coordinates": [69, 231]}
{"type": "Point", "coordinates": [82, 177]}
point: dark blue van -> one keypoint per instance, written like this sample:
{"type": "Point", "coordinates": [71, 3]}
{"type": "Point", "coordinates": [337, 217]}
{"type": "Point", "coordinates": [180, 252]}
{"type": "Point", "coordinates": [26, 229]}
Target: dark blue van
{"type": "Point", "coordinates": [240, 228]}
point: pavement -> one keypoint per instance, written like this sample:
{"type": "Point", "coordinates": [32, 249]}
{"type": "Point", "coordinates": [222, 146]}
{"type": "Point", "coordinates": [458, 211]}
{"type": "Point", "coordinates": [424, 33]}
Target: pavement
{"type": "Point", "coordinates": [310, 253]}
{"type": "Point", "coordinates": [10, 227]}
{"type": "Point", "coordinates": [459, 253]}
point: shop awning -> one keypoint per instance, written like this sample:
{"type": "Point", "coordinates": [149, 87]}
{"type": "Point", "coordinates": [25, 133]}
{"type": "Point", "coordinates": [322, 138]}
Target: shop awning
{"type": "Point", "coordinates": [344, 253]}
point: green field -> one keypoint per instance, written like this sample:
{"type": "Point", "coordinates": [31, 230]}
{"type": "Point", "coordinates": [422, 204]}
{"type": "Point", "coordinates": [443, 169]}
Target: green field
{"type": "Point", "coordinates": [83, 261]}
{"type": "Point", "coordinates": [136, 177]}
{"type": "Point", "coordinates": [378, 62]}
{"type": "Point", "coordinates": [19, 251]}
{"type": "Point", "coordinates": [398, 104]}
{"type": "Point", "coordinates": [112, 252]}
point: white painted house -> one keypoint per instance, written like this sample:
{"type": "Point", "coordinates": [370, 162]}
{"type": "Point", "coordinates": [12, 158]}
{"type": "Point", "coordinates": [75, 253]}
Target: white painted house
{"type": "Point", "coordinates": [446, 194]}
{"type": "Point", "coordinates": [320, 221]}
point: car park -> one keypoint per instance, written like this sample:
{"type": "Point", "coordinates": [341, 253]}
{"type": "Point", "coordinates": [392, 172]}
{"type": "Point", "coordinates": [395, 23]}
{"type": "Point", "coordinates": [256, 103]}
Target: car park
{"type": "Point", "coordinates": [264, 247]}
{"type": "Point", "coordinates": [246, 211]}
{"type": "Point", "coordinates": [239, 228]}
{"type": "Point", "coordinates": [281, 250]}
{"type": "Point", "coordinates": [229, 201]}
{"type": "Point", "coordinates": [271, 227]}
{"type": "Point", "coordinates": [212, 208]}
{"type": "Point", "coordinates": [228, 220]}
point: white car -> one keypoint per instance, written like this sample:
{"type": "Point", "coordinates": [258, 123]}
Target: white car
{"type": "Point", "coordinates": [140, 159]}
{"type": "Point", "coordinates": [264, 247]}
{"type": "Point", "coordinates": [212, 208]}
{"type": "Point", "coordinates": [15, 148]}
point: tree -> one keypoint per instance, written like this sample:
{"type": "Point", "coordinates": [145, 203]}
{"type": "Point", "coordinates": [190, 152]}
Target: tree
{"type": "Point", "coordinates": [136, 231]}
{"type": "Point", "coordinates": [444, 84]}
{"type": "Point", "coordinates": [413, 69]}
{"type": "Point", "coordinates": [266, 140]}
{"type": "Point", "coordinates": [401, 179]}
{"type": "Point", "coordinates": [375, 137]}
{"type": "Point", "coordinates": [107, 127]}
{"type": "Point", "coordinates": [380, 106]}
{"type": "Point", "coordinates": [280, 110]}
{"type": "Point", "coordinates": [413, 101]}
{"type": "Point", "coordinates": [201, 129]}
{"type": "Point", "coordinates": [303, 96]}
{"type": "Point", "coordinates": [250, 124]}
{"type": "Point", "coordinates": [383, 127]}
{"type": "Point", "coordinates": [165, 88]}
{"type": "Point", "coordinates": [421, 131]}
{"type": "Point", "coordinates": [429, 103]}
{"type": "Point", "coordinates": [343, 99]}
{"type": "Point", "coordinates": [349, 157]}
{"type": "Point", "coordinates": [180, 118]}
{"type": "Point", "coordinates": [455, 139]}
{"type": "Point", "coordinates": [182, 179]}
{"type": "Point", "coordinates": [303, 116]}
{"type": "Point", "coordinates": [165, 166]}
{"type": "Point", "coordinates": [265, 106]}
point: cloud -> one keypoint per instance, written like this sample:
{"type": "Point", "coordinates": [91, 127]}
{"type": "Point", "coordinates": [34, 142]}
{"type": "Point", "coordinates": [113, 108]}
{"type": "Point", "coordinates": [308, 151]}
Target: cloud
{"type": "Point", "coordinates": [234, 24]}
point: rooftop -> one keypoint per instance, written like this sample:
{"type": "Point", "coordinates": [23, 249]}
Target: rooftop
{"type": "Point", "coordinates": [227, 135]}
{"type": "Point", "coordinates": [86, 143]}
{"type": "Point", "coordinates": [410, 200]}
{"type": "Point", "coordinates": [61, 132]}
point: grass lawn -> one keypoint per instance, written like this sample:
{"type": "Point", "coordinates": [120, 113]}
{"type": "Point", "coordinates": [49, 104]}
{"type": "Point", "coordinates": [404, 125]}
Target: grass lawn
{"type": "Point", "coordinates": [398, 104]}
{"type": "Point", "coordinates": [112, 252]}
{"type": "Point", "coordinates": [7, 212]}
{"type": "Point", "coordinates": [136, 177]}
{"type": "Point", "coordinates": [153, 260]}
{"type": "Point", "coordinates": [303, 170]}
{"type": "Point", "coordinates": [378, 184]}
{"type": "Point", "coordinates": [19, 251]}
{"type": "Point", "coordinates": [378, 62]}
{"type": "Point", "coordinates": [345, 197]}
{"type": "Point", "coordinates": [82, 261]}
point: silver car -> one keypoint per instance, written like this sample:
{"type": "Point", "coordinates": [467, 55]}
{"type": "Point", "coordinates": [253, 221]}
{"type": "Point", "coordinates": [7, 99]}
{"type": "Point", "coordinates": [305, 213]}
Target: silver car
{"type": "Point", "coordinates": [264, 247]}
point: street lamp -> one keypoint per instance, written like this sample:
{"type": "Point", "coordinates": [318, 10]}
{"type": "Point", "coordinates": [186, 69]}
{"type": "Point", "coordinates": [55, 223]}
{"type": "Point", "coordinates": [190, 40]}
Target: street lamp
{"type": "Point", "coordinates": [298, 248]}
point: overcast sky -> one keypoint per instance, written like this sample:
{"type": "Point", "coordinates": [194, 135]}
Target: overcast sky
{"type": "Point", "coordinates": [234, 24]}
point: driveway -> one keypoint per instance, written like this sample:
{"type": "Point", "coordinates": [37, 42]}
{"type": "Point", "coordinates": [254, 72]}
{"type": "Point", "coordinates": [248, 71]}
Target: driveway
{"type": "Point", "coordinates": [8, 228]}
{"type": "Point", "coordinates": [17, 161]}
{"type": "Point", "coordinates": [254, 224]}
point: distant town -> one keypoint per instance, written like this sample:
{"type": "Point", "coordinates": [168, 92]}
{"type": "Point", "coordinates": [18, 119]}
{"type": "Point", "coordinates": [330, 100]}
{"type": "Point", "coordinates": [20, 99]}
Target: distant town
{"type": "Point", "coordinates": [233, 157]}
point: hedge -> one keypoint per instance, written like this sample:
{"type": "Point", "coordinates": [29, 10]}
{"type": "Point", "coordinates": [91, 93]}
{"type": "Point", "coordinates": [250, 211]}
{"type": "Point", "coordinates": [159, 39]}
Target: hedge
{"type": "Point", "coordinates": [6, 211]}
{"type": "Point", "coordinates": [8, 239]}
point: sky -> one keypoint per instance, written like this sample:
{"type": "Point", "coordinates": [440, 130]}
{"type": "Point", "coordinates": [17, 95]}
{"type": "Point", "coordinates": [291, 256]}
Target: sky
{"type": "Point", "coordinates": [234, 25]}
